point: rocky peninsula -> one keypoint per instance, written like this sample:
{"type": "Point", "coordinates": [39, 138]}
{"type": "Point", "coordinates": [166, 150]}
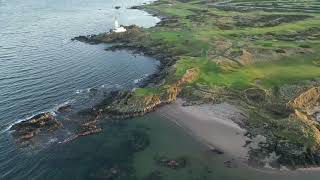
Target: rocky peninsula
{"type": "Point", "coordinates": [262, 62]}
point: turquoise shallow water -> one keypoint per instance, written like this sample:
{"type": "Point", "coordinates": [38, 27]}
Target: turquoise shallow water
{"type": "Point", "coordinates": [41, 68]}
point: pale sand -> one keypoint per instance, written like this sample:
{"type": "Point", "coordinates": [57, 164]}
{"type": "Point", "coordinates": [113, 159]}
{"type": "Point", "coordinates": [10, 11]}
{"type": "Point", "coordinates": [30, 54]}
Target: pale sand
{"type": "Point", "coordinates": [214, 124]}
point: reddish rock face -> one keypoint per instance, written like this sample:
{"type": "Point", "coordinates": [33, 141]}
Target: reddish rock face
{"type": "Point", "coordinates": [307, 104]}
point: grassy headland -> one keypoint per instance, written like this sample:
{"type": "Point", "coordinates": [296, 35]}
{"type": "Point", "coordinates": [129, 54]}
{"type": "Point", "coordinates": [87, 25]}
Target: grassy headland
{"type": "Point", "coordinates": [258, 55]}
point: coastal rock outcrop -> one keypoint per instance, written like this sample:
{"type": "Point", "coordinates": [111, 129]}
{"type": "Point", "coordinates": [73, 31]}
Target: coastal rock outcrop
{"type": "Point", "coordinates": [44, 122]}
{"type": "Point", "coordinates": [307, 104]}
{"type": "Point", "coordinates": [132, 104]}
{"type": "Point", "coordinates": [132, 32]}
{"type": "Point", "coordinates": [89, 128]}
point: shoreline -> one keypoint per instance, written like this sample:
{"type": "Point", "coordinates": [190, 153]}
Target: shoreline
{"type": "Point", "coordinates": [215, 129]}
{"type": "Point", "coordinates": [196, 121]}
{"type": "Point", "coordinates": [212, 125]}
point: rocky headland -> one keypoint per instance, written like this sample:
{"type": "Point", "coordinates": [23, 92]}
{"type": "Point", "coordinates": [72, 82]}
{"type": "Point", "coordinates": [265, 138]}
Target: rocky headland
{"type": "Point", "coordinates": [263, 63]}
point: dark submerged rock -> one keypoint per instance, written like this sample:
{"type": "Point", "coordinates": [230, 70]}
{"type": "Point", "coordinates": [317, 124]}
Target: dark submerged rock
{"type": "Point", "coordinates": [138, 140]}
{"type": "Point", "coordinates": [176, 163]}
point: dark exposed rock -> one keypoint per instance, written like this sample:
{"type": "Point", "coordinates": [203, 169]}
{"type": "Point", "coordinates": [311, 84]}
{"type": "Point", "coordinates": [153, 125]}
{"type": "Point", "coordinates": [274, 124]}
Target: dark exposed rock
{"type": "Point", "coordinates": [26, 130]}
{"type": "Point", "coordinates": [65, 109]}
{"type": "Point", "coordinates": [87, 39]}
{"type": "Point", "coordinates": [85, 129]}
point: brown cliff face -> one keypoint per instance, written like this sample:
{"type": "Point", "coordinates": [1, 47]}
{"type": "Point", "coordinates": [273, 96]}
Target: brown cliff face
{"type": "Point", "coordinates": [307, 104]}
{"type": "Point", "coordinates": [308, 101]}
{"type": "Point", "coordinates": [132, 105]}
{"type": "Point", "coordinates": [190, 76]}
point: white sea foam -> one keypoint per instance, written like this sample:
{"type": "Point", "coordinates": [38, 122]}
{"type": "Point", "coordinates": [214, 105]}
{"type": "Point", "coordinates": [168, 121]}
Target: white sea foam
{"type": "Point", "coordinates": [23, 119]}
{"type": "Point", "coordinates": [79, 91]}
{"type": "Point", "coordinates": [52, 140]}
{"type": "Point", "coordinates": [107, 86]}
{"type": "Point", "coordinates": [55, 109]}
{"type": "Point", "coordinates": [136, 81]}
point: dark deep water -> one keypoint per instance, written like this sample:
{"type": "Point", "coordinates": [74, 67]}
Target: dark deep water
{"type": "Point", "coordinates": [41, 69]}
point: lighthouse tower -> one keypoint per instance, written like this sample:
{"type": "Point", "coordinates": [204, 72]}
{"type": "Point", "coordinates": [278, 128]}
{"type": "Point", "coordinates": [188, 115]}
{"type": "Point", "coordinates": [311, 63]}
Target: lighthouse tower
{"type": "Point", "coordinates": [117, 27]}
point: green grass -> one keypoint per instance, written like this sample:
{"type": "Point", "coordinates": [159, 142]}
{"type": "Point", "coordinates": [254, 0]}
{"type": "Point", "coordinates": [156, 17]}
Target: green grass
{"type": "Point", "coordinates": [276, 73]}
{"type": "Point", "coordinates": [201, 42]}
{"type": "Point", "coordinates": [147, 91]}
{"type": "Point", "coordinates": [190, 40]}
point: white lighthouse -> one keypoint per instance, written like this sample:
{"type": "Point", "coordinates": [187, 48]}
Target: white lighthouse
{"type": "Point", "coordinates": [117, 28]}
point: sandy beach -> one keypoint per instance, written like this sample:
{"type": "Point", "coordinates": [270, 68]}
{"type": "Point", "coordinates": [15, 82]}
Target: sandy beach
{"type": "Point", "coordinates": [214, 124]}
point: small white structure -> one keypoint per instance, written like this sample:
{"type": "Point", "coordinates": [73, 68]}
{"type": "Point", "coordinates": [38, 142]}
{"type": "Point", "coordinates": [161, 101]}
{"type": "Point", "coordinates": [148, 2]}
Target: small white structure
{"type": "Point", "coordinates": [118, 28]}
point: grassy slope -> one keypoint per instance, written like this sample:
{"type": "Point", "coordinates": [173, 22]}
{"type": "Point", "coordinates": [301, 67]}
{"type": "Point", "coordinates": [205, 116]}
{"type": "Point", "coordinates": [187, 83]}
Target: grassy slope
{"type": "Point", "coordinates": [196, 35]}
{"type": "Point", "coordinates": [193, 42]}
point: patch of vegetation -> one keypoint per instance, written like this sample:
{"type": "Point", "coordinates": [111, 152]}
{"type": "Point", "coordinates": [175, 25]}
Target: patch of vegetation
{"type": "Point", "coordinates": [246, 44]}
{"type": "Point", "coordinates": [277, 73]}
{"type": "Point", "coordinates": [255, 53]}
